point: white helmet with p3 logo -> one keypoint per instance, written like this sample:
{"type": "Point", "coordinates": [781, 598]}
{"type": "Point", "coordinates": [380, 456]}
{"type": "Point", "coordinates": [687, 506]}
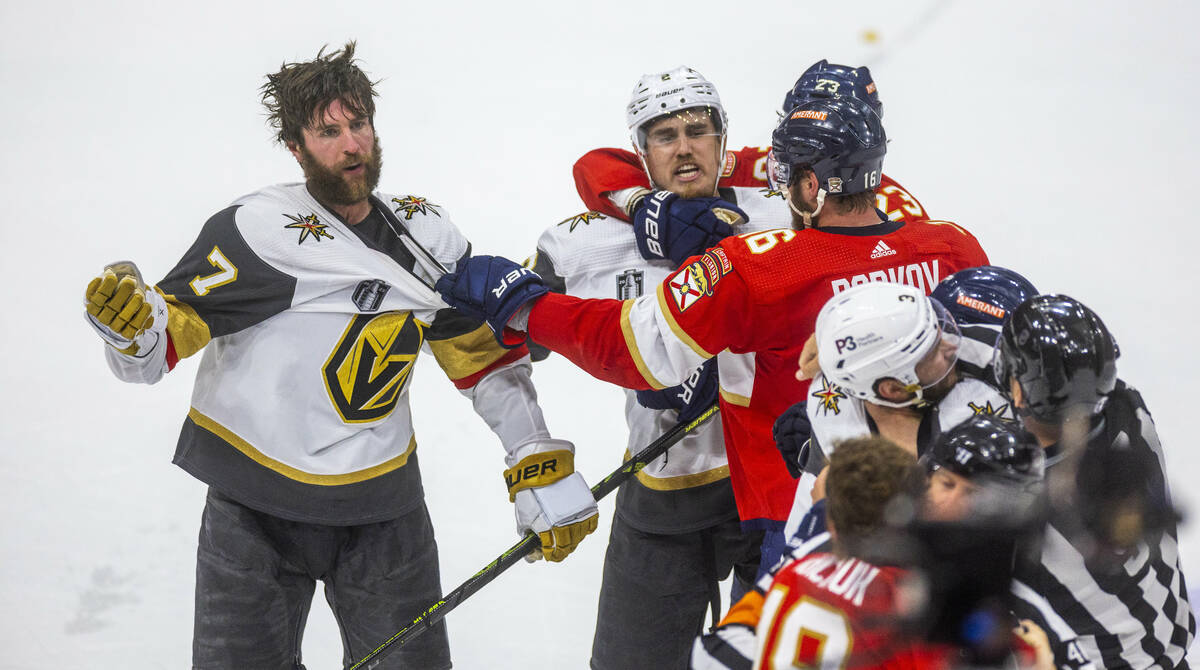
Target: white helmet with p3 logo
{"type": "Point", "coordinates": [881, 330]}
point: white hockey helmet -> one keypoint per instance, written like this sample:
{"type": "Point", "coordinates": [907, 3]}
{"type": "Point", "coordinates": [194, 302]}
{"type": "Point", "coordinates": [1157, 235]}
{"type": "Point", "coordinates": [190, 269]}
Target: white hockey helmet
{"type": "Point", "coordinates": [661, 93]}
{"type": "Point", "coordinates": [881, 330]}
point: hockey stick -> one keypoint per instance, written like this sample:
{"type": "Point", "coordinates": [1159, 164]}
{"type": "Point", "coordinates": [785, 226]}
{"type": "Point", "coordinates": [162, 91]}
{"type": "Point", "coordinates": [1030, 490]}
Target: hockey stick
{"type": "Point", "coordinates": [529, 543]}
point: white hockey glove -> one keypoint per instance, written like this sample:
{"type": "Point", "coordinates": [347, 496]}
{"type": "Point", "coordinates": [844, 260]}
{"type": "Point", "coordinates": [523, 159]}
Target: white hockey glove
{"type": "Point", "coordinates": [551, 498]}
{"type": "Point", "coordinates": [126, 315]}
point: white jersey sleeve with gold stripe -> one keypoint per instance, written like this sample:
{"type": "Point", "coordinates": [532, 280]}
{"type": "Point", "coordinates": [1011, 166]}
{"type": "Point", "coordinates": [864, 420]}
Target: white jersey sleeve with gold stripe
{"type": "Point", "coordinates": [596, 256]}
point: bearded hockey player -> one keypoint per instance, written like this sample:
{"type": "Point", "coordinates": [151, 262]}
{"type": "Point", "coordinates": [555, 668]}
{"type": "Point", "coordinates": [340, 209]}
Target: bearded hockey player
{"type": "Point", "coordinates": [756, 295]}
{"type": "Point", "coordinates": [878, 403]}
{"type": "Point", "coordinates": [312, 302]}
{"type": "Point", "coordinates": [1109, 587]}
{"type": "Point", "coordinates": [675, 533]}
{"type": "Point", "coordinates": [892, 354]}
{"type": "Point", "coordinates": [611, 181]}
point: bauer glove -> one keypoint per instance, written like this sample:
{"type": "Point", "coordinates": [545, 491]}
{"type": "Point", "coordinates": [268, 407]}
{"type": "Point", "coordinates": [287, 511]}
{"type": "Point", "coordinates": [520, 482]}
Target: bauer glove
{"type": "Point", "coordinates": [551, 498]}
{"type": "Point", "coordinates": [667, 226]}
{"type": "Point", "coordinates": [120, 308]}
{"type": "Point", "coordinates": [492, 289]}
{"type": "Point", "coordinates": [691, 398]}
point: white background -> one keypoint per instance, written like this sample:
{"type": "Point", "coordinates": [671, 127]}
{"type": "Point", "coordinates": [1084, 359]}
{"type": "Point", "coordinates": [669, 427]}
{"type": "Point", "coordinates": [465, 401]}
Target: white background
{"type": "Point", "coordinates": [1062, 134]}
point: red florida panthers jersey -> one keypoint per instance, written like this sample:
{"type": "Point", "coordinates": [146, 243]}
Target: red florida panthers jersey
{"type": "Point", "coordinates": [823, 611]}
{"type": "Point", "coordinates": [751, 301]}
{"type": "Point", "coordinates": [601, 171]}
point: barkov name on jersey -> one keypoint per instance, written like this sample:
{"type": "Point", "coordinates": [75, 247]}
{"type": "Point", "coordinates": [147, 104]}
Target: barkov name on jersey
{"type": "Point", "coordinates": [924, 275]}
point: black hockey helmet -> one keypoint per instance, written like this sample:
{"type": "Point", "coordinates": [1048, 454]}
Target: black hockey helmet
{"type": "Point", "coordinates": [823, 79]}
{"type": "Point", "coordinates": [1060, 353]}
{"type": "Point", "coordinates": [988, 448]}
{"type": "Point", "coordinates": [840, 139]}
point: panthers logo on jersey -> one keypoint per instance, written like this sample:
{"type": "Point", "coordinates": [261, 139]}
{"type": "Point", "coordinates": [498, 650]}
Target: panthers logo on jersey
{"type": "Point", "coordinates": [372, 365]}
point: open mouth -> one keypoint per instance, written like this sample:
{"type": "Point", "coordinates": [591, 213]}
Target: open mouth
{"type": "Point", "coordinates": [687, 172]}
{"type": "Point", "coordinates": [353, 168]}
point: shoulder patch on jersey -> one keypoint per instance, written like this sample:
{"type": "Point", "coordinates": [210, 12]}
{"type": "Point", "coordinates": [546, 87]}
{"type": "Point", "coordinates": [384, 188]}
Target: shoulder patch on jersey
{"type": "Point", "coordinates": [584, 218]}
{"type": "Point", "coordinates": [696, 280]}
{"type": "Point", "coordinates": [308, 226]}
{"type": "Point", "coordinates": [729, 164]}
{"type": "Point", "coordinates": [987, 409]}
{"type": "Point", "coordinates": [771, 193]}
{"type": "Point", "coordinates": [829, 394]}
{"type": "Point", "coordinates": [414, 204]}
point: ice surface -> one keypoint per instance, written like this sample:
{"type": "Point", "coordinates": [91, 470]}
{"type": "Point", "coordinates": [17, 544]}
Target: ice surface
{"type": "Point", "coordinates": [1061, 134]}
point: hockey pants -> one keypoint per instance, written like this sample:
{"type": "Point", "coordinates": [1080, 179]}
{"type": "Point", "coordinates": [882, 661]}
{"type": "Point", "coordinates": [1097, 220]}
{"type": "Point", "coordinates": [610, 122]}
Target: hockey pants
{"type": "Point", "coordinates": [657, 590]}
{"type": "Point", "coordinates": [256, 573]}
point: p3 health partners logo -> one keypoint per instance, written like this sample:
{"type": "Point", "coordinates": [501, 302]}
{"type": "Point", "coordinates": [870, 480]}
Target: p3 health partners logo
{"type": "Point", "coordinates": [372, 365]}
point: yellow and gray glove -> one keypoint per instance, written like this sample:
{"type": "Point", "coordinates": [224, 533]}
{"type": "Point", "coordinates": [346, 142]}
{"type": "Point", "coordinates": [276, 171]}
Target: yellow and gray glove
{"type": "Point", "coordinates": [120, 308]}
{"type": "Point", "coordinates": [551, 498]}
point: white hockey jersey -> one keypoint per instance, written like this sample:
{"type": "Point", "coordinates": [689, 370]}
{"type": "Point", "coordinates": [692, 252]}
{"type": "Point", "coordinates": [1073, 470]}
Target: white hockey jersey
{"type": "Point", "coordinates": [592, 255]}
{"type": "Point", "coordinates": [313, 327]}
{"type": "Point", "coordinates": [836, 416]}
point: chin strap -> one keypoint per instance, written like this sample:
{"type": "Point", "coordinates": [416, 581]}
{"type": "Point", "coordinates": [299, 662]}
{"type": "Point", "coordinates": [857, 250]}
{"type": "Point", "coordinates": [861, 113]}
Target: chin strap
{"type": "Point", "coordinates": [809, 216]}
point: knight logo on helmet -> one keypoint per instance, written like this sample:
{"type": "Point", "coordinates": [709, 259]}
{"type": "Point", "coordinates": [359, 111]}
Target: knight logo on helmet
{"type": "Point", "coordinates": [835, 185]}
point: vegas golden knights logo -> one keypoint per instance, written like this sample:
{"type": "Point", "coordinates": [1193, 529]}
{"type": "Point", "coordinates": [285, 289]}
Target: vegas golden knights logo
{"type": "Point", "coordinates": [372, 365]}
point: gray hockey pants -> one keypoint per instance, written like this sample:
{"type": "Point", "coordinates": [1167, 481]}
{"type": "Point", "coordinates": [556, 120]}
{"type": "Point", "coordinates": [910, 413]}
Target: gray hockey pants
{"type": "Point", "coordinates": [256, 573]}
{"type": "Point", "coordinates": [657, 590]}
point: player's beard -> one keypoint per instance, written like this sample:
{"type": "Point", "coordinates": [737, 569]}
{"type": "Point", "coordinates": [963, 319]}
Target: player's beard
{"type": "Point", "coordinates": [331, 186]}
{"type": "Point", "coordinates": [936, 393]}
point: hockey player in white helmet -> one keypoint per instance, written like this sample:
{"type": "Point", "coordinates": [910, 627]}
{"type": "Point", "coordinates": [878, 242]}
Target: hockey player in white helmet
{"type": "Point", "coordinates": [676, 530]}
{"type": "Point", "coordinates": [889, 358]}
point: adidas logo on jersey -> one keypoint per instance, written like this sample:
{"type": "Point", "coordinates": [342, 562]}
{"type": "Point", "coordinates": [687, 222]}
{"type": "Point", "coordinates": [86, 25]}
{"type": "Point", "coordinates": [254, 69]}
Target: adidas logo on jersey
{"type": "Point", "coordinates": [881, 250]}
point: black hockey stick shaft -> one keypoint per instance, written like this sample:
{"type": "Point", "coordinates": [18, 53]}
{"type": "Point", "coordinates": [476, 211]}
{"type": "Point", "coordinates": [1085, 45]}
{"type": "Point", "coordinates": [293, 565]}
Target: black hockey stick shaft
{"type": "Point", "coordinates": [529, 543]}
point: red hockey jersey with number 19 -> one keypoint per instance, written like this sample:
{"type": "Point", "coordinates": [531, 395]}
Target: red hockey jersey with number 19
{"type": "Point", "coordinates": [751, 301]}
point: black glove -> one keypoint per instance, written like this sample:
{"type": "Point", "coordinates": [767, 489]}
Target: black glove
{"type": "Point", "coordinates": [1121, 496]}
{"type": "Point", "coordinates": [667, 226]}
{"type": "Point", "coordinates": [792, 431]}
{"type": "Point", "coordinates": [690, 398]}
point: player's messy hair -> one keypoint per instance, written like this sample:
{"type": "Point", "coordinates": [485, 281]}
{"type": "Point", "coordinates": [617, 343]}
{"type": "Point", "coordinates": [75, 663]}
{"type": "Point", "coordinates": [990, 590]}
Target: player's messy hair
{"type": "Point", "coordinates": [302, 92]}
{"type": "Point", "coordinates": [853, 203]}
{"type": "Point", "coordinates": [865, 474]}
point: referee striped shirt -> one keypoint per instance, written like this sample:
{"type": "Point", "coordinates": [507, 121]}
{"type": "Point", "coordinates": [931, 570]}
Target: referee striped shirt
{"type": "Point", "coordinates": [1132, 616]}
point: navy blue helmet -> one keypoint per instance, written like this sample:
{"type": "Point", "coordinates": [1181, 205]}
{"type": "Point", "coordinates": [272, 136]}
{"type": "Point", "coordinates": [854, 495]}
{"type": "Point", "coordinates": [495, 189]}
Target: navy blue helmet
{"type": "Point", "coordinates": [829, 80]}
{"type": "Point", "coordinates": [987, 448]}
{"type": "Point", "coordinates": [985, 295]}
{"type": "Point", "coordinates": [1060, 353]}
{"type": "Point", "coordinates": [840, 139]}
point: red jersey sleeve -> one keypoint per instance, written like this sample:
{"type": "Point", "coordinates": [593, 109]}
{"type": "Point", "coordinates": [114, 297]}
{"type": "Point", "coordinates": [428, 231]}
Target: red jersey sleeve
{"type": "Point", "coordinates": [655, 341]}
{"type": "Point", "coordinates": [745, 167]}
{"type": "Point", "coordinates": [602, 170]}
